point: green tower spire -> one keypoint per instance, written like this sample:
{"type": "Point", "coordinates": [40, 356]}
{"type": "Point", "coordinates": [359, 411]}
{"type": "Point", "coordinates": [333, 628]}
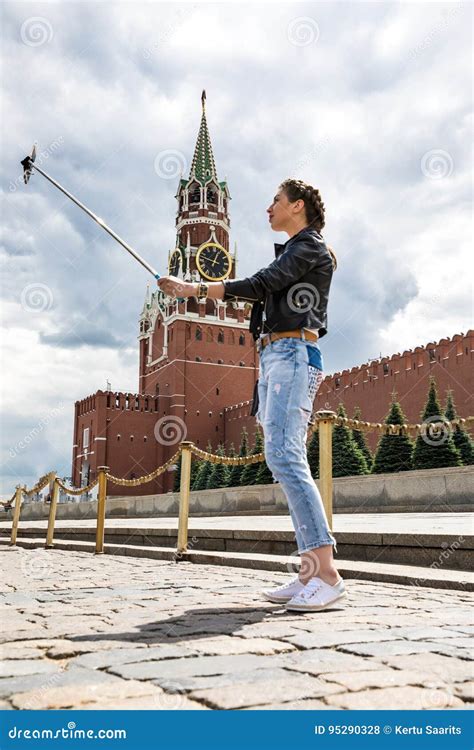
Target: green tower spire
{"type": "Point", "coordinates": [203, 167]}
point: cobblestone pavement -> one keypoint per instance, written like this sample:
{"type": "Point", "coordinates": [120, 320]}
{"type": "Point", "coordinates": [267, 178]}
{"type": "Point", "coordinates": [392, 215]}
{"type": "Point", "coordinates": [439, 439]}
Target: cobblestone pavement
{"type": "Point", "coordinates": [94, 632]}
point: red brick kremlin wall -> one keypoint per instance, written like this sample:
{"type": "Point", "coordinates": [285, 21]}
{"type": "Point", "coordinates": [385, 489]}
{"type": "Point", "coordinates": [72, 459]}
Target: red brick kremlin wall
{"type": "Point", "coordinates": [371, 384]}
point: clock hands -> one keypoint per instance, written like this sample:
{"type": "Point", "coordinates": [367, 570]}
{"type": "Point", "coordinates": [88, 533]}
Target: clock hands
{"type": "Point", "coordinates": [213, 261]}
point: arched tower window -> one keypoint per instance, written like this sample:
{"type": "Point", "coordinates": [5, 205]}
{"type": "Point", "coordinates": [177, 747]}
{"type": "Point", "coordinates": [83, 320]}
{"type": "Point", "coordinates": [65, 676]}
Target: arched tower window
{"type": "Point", "coordinates": [194, 193]}
{"type": "Point", "coordinates": [191, 307]}
{"type": "Point", "coordinates": [220, 337]}
{"type": "Point", "coordinates": [211, 305]}
{"type": "Point", "coordinates": [212, 194]}
{"type": "Point", "coordinates": [242, 340]}
{"type": "Point", "coordinates": [198, 334]}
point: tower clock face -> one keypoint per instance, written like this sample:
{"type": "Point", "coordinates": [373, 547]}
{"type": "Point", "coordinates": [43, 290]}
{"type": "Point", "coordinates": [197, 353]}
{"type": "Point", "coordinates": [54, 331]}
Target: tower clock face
{"type": "Point", "coordinates": [213, 261]}
{"type": "Point", "coordinates": [175, 263]}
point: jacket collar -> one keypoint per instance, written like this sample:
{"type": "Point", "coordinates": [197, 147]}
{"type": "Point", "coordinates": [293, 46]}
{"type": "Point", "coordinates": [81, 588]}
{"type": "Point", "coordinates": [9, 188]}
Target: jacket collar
{"type": "Point", "coordinates": [279, 247]}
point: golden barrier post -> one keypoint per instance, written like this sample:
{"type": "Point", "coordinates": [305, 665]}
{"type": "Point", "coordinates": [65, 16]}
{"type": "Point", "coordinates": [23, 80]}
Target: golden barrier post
{"type": "Point", "coordinates": [16, 513]}
{"type": "Point", "coordinates": [101, 498]}
{"type": "Point", "coordinates": [186, 457]}
{"type": "Point", "coordinates": [52, 514]}
{"type": "Point", "coordinates": [325, 427]}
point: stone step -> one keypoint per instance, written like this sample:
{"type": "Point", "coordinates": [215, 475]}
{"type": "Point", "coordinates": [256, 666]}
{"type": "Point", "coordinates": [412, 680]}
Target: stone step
{"type": "Point", "coordinates": [363, 570]}
{"type": "Point", "coordinates": [400, 547]}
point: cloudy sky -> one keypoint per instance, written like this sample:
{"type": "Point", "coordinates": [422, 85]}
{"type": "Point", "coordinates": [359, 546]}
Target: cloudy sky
{"type": "Point", "coordinates": [369, 101]}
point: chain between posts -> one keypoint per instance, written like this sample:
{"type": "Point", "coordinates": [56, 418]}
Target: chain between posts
{"type": "Point", "coordinates": [395, 429]}
{"type": "Point", "coordinates": [40, 484]}
{"type": "Point", "coordinates": [147, 477]}
{"type": "Point", "coordinates": [325, 423]}
{"type": "Point", "coordinates": [213, 458]}
{"type": "Point", "coordinates": [81, 491]}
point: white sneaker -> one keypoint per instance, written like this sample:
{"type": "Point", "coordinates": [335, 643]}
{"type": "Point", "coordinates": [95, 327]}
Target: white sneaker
{"type": "Point", "coordinates": [317, 595]}
{"type": "Point", "coordinates": [284, 593]}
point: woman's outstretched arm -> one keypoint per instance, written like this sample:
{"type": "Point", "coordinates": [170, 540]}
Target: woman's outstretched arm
{"type": "Point", "coordinates": [175, 287]}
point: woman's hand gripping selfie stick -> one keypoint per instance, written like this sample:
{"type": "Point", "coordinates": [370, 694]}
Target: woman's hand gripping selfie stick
{"type": "Point", "coordinates": [28, 164]}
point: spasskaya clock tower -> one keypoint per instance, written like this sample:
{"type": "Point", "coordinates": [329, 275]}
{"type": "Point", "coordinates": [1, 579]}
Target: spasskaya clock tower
{"type": "Point", "coordinates": [197, 358]}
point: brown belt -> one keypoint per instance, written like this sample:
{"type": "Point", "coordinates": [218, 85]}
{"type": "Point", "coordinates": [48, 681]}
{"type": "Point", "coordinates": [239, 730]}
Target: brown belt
{"type": "Point", "coordinates": [269, 337]}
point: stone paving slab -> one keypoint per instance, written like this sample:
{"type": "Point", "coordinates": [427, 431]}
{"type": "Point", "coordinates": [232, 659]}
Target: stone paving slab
{"type": "Point", "coordinates": [398, 698]}
{"type": "Point", "coordinates": [111, 695]}
{"type": "Point", "coordinates": [91, 632]}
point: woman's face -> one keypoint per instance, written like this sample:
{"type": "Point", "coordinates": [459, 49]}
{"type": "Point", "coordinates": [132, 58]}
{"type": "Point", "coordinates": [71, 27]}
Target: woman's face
{"type": "Point", "coordinates": [281, 213]}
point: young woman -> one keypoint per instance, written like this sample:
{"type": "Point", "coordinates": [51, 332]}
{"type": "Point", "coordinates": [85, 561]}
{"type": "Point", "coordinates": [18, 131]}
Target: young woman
{"type": "Point", "coordinates": [289, 315]}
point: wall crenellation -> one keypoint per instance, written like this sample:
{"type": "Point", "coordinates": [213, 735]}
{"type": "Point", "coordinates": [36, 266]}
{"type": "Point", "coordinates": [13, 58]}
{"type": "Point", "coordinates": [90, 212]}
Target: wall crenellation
{"type": "Point", "coordinates": [443, 349]}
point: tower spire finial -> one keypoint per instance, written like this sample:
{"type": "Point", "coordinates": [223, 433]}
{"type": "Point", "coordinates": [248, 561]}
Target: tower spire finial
{"type": "Point", "coordinates": [203, 167]}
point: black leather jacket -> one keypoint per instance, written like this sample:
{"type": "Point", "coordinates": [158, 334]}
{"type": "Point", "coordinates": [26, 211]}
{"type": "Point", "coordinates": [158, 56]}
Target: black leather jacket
{"type": "Point", "coordinates": [293, 289]}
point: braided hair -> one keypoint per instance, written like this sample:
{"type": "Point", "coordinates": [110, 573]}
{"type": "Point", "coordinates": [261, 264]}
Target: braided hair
{"type": "Point", "coordinates": [314, 206]}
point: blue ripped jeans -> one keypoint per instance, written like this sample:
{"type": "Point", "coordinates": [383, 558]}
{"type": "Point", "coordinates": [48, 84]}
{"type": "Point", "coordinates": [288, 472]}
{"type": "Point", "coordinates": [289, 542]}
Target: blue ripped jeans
{"type": "Point", "coordinates": [286, 388]}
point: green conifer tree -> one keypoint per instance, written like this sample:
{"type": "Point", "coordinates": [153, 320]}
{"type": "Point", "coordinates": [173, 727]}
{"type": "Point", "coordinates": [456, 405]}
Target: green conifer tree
{"type": "Point", "coordinates": [394, 452]}
{"type": "Point", "coordinates": [250, 471]}
{"type": "Point", "coordinates": [204, 471]}
{"type": "Point", "coordinates": [219, 475]}
{"type": "Point", "coordinates": [461, 438]}
{"type": "Point", "coordinates": [263, 475]}
{"type": "Point", "coordinates": [347, 459]}
{"type": "Point", "coordinates": [360, 440]}
{"type": "Point", "coordinates": [195, 464]}
{"type": "Point", "coordinates": [231, 454]}
{"type": "Point", "coordinates": [434, 448]}
{"type": "Point", "coordinates": [236, 470]}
